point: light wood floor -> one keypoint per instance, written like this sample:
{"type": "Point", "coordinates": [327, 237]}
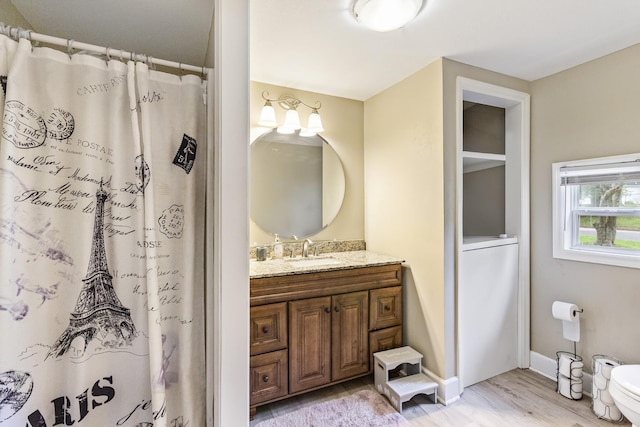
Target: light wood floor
{"type": "Point", "coordinates": [518, 398]}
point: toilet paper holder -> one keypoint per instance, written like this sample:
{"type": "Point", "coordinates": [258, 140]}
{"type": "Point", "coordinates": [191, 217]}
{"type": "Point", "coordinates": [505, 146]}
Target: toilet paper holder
{"type": "Point", "coordinates": [569, 380]}
{"type": "Point", "coordinates": [602, 404]}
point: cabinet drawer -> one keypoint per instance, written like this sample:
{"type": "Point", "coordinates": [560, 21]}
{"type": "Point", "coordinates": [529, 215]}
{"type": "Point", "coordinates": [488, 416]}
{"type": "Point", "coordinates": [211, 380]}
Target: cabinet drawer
{"type": "Point", "coordinates": [268, 328]}
{"type": "Point", "coordinates": [268, 374]}
{"type": "Point", "coordinates": [384, 339]}
{"type": "Point", "coordinates": [385, 307]}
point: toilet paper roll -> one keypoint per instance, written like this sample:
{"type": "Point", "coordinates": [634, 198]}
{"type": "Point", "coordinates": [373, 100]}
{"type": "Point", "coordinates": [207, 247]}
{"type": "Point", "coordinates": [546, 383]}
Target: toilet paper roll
{"type": "Point", "coordinates": [576, 370]}
{"type": "Point", "coordinates": [570, 315]}
{"type": "Point", "coordinates": [571, 389]}
{"type": "Point", "coordinates": [599, 408]}
{"type": "Point", "coordinates": [569, 366]}
{"type": "Point", "coordinates": [599, 382]}
{"type": "Point", "coordinates": [605, 411]}
{"type": "Point", "coordinates": [602, 367]}
{"type": "Point", "coordinates": [607, 366]}
{"type": "Point", "coordinates": [606, 398]}
{"type": "Point", "coordinates": [614, 413]}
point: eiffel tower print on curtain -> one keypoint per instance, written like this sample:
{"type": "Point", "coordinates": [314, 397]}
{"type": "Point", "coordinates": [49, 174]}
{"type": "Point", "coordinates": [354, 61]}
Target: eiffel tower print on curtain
{"type": "Point", "coordinates": [98, 313]}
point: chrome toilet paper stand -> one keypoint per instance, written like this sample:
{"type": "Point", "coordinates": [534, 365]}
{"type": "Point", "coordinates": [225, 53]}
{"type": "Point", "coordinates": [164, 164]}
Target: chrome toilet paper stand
{"type": "Point", "coordinates": [575, 382]}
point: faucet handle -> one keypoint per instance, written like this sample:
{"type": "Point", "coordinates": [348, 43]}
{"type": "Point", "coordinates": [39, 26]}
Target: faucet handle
{"type": "Point", "coordinates": [305, 247]}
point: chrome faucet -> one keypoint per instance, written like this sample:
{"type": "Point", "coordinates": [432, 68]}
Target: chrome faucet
{"type": "Point", "coordinates": [305, 248]}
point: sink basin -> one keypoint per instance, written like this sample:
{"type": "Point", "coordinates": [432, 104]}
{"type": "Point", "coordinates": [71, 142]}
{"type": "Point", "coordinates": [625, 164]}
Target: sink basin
{"type": "Point", "coordinates": [313, 262]}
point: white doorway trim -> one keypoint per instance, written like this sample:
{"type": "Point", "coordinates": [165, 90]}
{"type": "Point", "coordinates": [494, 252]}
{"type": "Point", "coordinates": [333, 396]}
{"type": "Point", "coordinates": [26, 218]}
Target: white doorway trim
{"type": "Point", "coordinates": [227, 291]}
{"type": "Point", "coordinates": [517, 219]}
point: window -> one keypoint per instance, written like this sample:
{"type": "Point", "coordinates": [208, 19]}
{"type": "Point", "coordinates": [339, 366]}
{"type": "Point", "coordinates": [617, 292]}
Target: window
{"type": "Point", "coordinates": [596, 210]}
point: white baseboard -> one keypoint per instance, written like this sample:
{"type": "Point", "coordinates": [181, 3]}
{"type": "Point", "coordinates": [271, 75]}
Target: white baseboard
{"type": "Point", "coordinates": [546, 366]}
{"type": "Point", "coordinates": [448, 391]}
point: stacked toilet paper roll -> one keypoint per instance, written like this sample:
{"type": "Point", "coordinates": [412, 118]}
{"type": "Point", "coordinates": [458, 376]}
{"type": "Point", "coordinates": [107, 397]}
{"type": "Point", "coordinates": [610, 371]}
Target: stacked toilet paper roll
{"type": "Point", "coordinates": [570, 376]}
{"type": "Point", "coordinates": [603, 404]}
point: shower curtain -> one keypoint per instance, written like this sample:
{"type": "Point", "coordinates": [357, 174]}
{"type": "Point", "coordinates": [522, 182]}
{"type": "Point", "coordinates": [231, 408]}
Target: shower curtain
{"type": "Point", "coordinates": [102, 179]}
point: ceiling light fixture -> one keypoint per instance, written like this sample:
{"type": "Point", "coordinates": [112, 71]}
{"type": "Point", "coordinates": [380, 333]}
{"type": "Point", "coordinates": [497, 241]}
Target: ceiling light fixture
{"type": "Point", "coordinates": [292, 118]}
{"type": "Point", "coordinates": [385, 15]}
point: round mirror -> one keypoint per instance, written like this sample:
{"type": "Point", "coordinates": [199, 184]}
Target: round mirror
{"type": "Point", "coordinates": [297, 184]}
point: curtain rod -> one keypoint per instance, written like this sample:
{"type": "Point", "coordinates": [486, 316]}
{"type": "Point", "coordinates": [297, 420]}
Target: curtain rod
{"type": "Point", "coordinates": [18, 33]}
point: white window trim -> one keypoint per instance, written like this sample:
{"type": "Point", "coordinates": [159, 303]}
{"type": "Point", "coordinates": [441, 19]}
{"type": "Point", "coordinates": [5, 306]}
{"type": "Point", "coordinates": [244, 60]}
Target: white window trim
{"type": "Point", "coordinates": [560, 235]}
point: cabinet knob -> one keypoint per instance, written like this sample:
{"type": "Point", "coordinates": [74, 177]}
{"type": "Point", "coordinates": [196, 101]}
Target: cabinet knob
{"type": "Point", "coordinates": [265, 379]}
{"type": "Point", "coordinates": [387, 308]}
{"type": "Point", "coordinates": [327, 310]}
{"type": "Point", "coordinates": [265, 329]}
{"type": "Point", "coordinates": [337, 309]}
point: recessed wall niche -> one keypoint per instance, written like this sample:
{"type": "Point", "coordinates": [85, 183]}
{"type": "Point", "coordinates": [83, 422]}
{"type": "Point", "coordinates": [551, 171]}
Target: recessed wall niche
{"type": "Point", "coordinates": [484, 177]}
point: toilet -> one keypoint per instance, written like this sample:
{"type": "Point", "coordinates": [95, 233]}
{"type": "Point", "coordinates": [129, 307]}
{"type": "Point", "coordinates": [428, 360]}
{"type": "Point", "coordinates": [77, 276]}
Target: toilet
{"type": "Point", "coordinates": [625, 391]}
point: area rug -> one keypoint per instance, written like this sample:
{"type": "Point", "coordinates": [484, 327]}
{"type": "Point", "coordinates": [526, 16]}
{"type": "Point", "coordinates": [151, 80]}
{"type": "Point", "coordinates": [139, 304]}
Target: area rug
{"type": "Point", "coordinates": [365, 408]}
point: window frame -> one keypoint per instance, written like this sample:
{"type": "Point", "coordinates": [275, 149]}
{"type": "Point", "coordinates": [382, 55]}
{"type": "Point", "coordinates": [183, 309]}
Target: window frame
{"type": "Point", "coordinates": [566, 222]}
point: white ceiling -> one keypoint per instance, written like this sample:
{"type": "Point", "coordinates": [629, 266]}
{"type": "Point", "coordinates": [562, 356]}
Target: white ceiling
{"type": "Point", "coordinates": [316, 45]}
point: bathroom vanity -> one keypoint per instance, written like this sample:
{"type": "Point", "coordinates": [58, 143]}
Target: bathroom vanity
{"type": "Point", "coordinates": [317, 321]}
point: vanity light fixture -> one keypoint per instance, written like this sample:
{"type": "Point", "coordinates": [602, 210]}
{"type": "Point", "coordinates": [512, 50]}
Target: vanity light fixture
{"type": "Point", "coordinates": [292, 119]}
{"type": "Point", "coordinates": [385, 15]}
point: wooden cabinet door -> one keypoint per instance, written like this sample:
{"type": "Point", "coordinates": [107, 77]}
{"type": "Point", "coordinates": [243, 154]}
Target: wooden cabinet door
{"type": "Point", "coordinates": [349, 335]}
{"type": "Point", "coordinates": [384, 339]}
{"type": "Point", "coordinates": [309, 343]}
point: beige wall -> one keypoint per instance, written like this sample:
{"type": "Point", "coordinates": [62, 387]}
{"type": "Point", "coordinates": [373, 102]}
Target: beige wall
{"type": "Point", "coordinates": [592, 110]}
{"type": "Point", "coordinates": [10, 15]}
{"type": "Point", "coordinates": [343, 122]}
{"type": "Point", "coordinates": [403, 200]}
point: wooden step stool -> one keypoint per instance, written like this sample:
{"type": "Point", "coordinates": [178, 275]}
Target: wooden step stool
{"type": "Point", "coordinates": [410, 381]}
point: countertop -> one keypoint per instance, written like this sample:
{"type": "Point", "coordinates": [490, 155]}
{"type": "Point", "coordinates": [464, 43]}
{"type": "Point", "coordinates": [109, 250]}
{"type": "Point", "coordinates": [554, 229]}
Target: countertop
{"type": "Point", "coordinates": [343, 260]}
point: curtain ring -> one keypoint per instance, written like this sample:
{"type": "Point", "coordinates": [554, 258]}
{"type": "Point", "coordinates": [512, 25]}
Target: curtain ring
{"type": "Point", "coordinates": [152, 65]}
{"type": "Point", "coordinates": [180, 70]}
{"type": "Point", "coordinates": [30, 39]}
{"type": "Point", "coordinates": [69, 47]}
{"type": "Point", "coordinates": [107, 55]}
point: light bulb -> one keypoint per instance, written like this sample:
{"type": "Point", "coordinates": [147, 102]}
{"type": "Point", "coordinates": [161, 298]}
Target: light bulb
{"type": "Point", "coordinates": [268, 116]}
{"type": "Point", "coordinates": [315, 123]}
{"type": "Point", "coordinates": [292, 120]}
